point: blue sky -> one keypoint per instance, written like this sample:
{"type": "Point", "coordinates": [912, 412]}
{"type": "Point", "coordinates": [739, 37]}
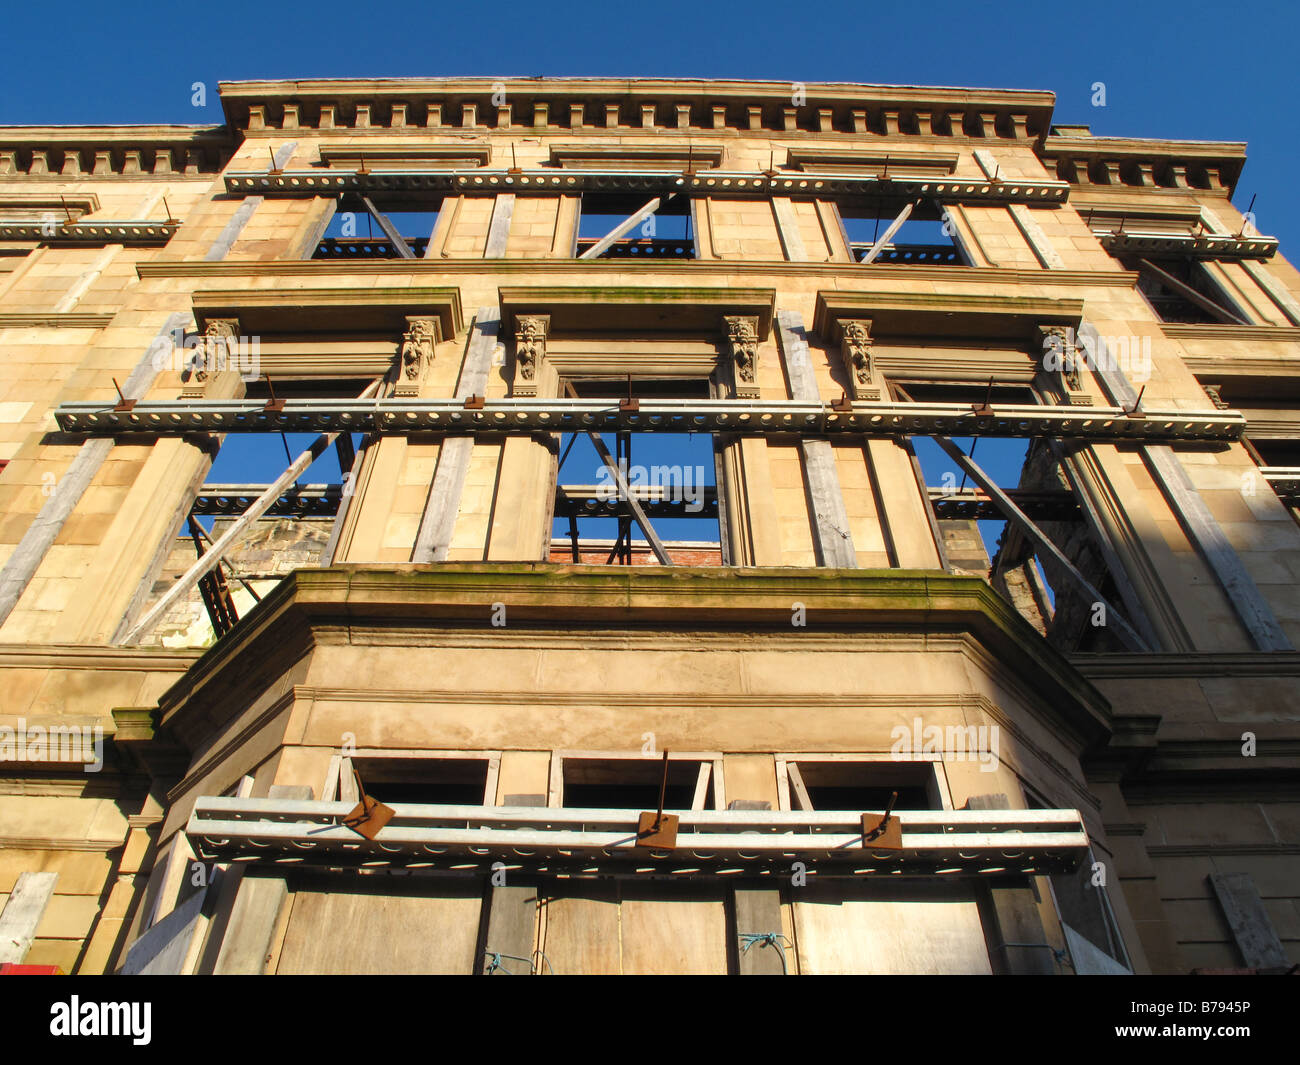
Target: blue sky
{"type": "Point", "coordinates": [1187, 70]}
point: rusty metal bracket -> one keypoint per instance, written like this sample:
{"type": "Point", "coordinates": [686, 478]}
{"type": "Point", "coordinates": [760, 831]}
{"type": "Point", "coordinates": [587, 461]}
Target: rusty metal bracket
{"type": "Point", "coordinates": [883, 831]}
{"type": "Point", "coordinates": [474, 402]}
{"type": "Point", "coordinates": [369, 815]}
{"type": "Point", "coordinates": [658, 829]}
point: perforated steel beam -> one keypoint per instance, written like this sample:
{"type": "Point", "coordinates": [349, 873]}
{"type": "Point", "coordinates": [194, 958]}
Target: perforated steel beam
{"type": "Point", "coordinates": [739, 417]}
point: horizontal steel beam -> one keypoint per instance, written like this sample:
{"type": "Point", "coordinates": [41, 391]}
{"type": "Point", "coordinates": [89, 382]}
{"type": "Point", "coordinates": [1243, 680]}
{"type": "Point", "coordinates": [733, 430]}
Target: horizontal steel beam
{"type": "Point", "coordinates": [738, 417]}
{"type": "Point", "coordinates": [301, 501]}
{"type": "Point", "coordinates": [105, 232]}
{"type": "Point", "coordinates": [939, 841]}
{"type": "Point", "coordinates": [601, 501]}
{"type": "Point", "coordinates": [972, 504]}
{"type": "Point", "coordinates": [703, 183]}
{"type": "Point", "coordinates": [1284, 480]}
{"type": "Point", "coordinates": [1186, 245]}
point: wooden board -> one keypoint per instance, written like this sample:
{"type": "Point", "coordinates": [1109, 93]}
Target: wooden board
{"type": "Point", "coordinates": [394, 928]}
{"type": "Point", "coordinates": [920, 927]}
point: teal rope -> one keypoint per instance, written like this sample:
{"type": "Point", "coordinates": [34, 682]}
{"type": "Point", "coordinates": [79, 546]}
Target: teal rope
{"type": "Point", "coordinates": [768, 939]}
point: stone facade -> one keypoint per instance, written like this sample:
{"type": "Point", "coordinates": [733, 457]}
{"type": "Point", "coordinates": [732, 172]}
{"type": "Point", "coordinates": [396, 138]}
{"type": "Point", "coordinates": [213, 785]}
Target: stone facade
{"type": "Point", "coordinates": [429, 629]}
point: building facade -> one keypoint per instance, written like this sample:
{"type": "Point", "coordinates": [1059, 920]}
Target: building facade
{"type": "Point", "coordinates": [763, 528]}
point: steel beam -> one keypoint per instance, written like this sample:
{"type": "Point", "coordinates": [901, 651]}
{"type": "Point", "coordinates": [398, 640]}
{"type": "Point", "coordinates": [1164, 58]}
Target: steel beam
{"type": "Point", "coordinates": [731, 183]}
{"type": "Point", "coordinates": [739, 417]}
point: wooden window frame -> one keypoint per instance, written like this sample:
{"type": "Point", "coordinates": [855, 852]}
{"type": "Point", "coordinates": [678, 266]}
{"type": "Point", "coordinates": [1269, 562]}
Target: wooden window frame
{"type": "Point", "coordinates": [788, 783]}
{"type": "Point", "coordinates": [710, 760]}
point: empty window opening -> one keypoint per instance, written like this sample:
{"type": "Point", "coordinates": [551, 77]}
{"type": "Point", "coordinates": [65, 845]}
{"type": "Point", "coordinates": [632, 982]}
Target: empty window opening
{"type": "Point", "coordinates": [355, 233]}
{"type": "Point", "coordinates": [429, 781]}
{"type": "Point", "coordinates": [634, 784]}
{"type": "Point", "coordinates": [864, 785]}
{"type": "Point", "coordinates": [665, 234]}
{"type": "Point", "coordinates": [924, 238]}
{"type": "Point", "coordinates": [672, 476]}
{"type": "Point", "coordinates": [1182, 290]}
{"type": "Point", "coordinates": [979, 540]}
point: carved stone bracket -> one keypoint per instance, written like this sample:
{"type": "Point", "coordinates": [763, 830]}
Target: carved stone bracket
{"type": "Point", "coordinates": [1062, 360]}
{"type": "Point", "coordinates": [415, 355]}
{"type": "Point", "coordinates": [742, 340]}
{"type": "Point", "coordinates": [855, 350]}
{"type": "Point", "coordinates": [530, 352]}
{"type": "Point", "coordinates": [215, 352]}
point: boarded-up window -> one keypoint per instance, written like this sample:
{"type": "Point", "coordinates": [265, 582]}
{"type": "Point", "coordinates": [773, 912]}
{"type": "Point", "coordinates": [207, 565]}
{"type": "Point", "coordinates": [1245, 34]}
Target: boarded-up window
{"type": "Point", "coordinates": [389, 927]}
{"type": "Point", "coordinates": [914, 927]}
{"type": "Point", "coordinates": [631, 928]}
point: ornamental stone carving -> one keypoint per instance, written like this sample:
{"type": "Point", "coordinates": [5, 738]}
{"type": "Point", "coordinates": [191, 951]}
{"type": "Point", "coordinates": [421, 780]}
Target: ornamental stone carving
{"type": "Point", "coordinates": [415, 355]}
{"type": "Point", "coordinates": [742, 340]}
{"type": "Point", "coordinates": [855, 350]}
{"type": "Point", "coordinates": [530, 351]}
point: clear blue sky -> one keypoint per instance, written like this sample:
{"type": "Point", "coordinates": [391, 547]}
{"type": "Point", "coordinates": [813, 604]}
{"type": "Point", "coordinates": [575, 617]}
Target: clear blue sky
{"type": "Point", "coordinates": [1191, 69]}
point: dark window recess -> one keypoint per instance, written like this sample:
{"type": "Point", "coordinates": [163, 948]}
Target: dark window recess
{"type": "Point", "coordinates": [355, 233]}
{"type": "Point", "coordinates": [666, 234]}
{"type": "Point", "coordinates": [631, 784]}
{"type": "Point", "coordinates": [1171, 299]}
{"type": "Point", "coordinates": [432, 781]}
{"type": "Point", "coordinates": [921, 239]}
{"type": "Point", "coordinates": [867, 785]}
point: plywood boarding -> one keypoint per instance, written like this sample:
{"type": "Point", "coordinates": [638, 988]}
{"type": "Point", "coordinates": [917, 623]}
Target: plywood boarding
{"type": "Point", "coordinates": [916, 928]}
{"type": "Point", "coordinates": [635, 929]}
{"type": "Point", "coordinates": [392, 929]}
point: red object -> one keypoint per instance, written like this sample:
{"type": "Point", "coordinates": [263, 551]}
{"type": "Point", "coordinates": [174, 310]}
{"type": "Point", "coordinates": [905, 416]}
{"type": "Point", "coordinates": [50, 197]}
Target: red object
{"type": "Point", "coordinates": [10, 968]}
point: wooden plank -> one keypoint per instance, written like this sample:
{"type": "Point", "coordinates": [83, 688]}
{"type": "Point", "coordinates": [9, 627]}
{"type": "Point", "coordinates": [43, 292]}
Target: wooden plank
{"type": "Point", "coordinates": [1038, 241]}
{"type": "Point", "coordinates": [166, 947]}
{"type": "Point", "coordinates": [390, 231]}
{"type": "Point", "coordinates": [234, 533]}
{"type": "Point", "coordinates": [22, 914]}
{"type": "Point", "coordinates": [1208, 536]}
{"type": "Point", "coordinates": [22, 565]}
{"type": "Point", "coordinates": [1248, 921]}
{"type": "Point", "coordinates": [787, 226]}
{"type": "Point", "coordinates": [626, 495]}
{"type": "Point", "coordinates": [230, 233]}
{"type": "Point", "coordinates": [758, 912]}
{"type": "Point", "coordinates": [627, 225]}
{"type": "Point", "coordinates": [701, 786]}
{"type": "Point", "coordinates": [330, 789]}
{"type": "Point", "coordinates": [512, 924]}
{"type": "Point", "coordinates": [832, 540]}
{"type": "Point", "coordinates": [348, 792]}
{"type": "Point", "coordinates": [498, 236]}
{"type": "Point", "coordinates": [438, 522]}
{"type": "Point", "coordinates": [1016, 516]}
{"type": "Point", "coordinates": [887, 235]}
{"type": "Point", "coordinates": [247, 940]}
{"type": "Point", "coordinates": [798, 791]}
{"type": "Point", "coordinates": [1276, 291]}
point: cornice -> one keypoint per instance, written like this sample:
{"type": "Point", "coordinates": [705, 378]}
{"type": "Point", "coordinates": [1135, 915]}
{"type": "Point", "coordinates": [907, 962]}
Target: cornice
{"type": "Point", "coordinates": [459, 595]}
{"type": "Point", "coordinates": [53, 319]}
{"type": "Point", "coordinates": [67, 152]}
{"type": "Point", "coordinates": [1154, 164]}
{"type": "Point", "coordinates": [1216, 331]}
{"type": "Point", "coordinates": [81, 656]}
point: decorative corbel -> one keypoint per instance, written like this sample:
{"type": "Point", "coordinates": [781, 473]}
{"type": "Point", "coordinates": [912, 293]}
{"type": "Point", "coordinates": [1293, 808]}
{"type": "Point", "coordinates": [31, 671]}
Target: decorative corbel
{"type": "Point", "coordinates": [855, 350]}
{"type": "Point", "coordinates": [416, 354]}
{"type": "Point", "coordinates": [1062, 356]}
{"type": "Point", "coordinates": [530, 352]}
{"type": "Point", "coordinates": [211, 355]}
{"type": "Point", "coordinates": [742, 339]}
